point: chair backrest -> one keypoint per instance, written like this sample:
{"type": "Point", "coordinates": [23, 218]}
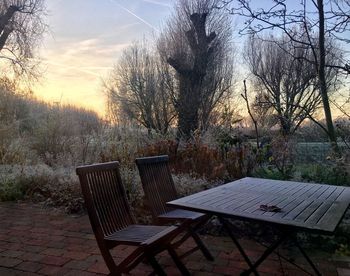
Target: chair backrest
{"type": "Point", "coordinates": [157, 183]}
{"type": "Point", "coordinates": [105, 198]}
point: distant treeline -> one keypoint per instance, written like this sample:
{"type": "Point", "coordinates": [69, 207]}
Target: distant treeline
{"type": "Point", "coordinates": [24, 113]}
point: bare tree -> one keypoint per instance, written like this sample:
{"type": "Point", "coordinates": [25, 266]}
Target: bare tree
{"type": "Point", "coordinates": [196, 43]}
{"type": "Point", "coordinates": [138, 88]}
{"type": "Point", "coordinates": [317, 20]}
{"type": "Point", "coordinates": [21, 27]}
{"type": "Point", "coordinates": [285, 79]}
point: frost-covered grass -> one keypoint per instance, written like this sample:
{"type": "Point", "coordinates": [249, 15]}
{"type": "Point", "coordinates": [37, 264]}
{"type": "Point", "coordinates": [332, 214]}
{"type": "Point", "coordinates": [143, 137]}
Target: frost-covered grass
{"type": "Point", "coordinates": [49, 176]}
{"type": "Point", "coordinates": [41, 183]}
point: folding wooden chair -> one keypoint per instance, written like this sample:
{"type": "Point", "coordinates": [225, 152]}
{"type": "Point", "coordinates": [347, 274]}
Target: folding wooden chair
{"type": "Point", "coordinates": [113, 223]}
{"type": "Point", "coordinates": [159, 188]}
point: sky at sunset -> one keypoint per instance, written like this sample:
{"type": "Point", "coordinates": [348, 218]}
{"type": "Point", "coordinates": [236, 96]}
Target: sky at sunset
{"type": "Point", "coordinates": [84, 42]}
{"type": "Point", "coordinates": [85, 39]}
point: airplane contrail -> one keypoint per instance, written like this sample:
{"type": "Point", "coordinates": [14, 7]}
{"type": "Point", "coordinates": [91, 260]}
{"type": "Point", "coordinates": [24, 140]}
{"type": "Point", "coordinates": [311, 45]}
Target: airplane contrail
{"type": "Point", "coordinates": [158, 3]}
{"type": "Point", "coordinates": [135, 15]}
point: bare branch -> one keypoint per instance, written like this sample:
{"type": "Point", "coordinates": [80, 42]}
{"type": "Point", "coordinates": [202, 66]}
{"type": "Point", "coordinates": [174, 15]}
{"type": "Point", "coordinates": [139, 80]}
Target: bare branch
{"type": "Point", "coordinates": [21, 27]}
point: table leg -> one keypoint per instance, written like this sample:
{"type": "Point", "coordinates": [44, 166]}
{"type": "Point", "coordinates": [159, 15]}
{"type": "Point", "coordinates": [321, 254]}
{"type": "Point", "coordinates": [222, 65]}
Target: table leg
{"type": "Point", "coordinates": [295, 240]}
{"type": "Point", "coordinates": [285, 259]}
{"type": "Point", "coordinates": [284, 235]}
{"type": "Point", "coordinates": [226, 225]}
{"type": "Point", "coordinates": [266, 253]}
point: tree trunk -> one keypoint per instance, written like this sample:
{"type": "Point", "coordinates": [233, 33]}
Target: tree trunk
{"type": "Point", "coordinates": [191, 76]}
{"type": "Point", "coordinates": [188, 105]}
{"type": "Point", "coordinates": [6, 17]}
{"type": "Point", "coordinates": [5, 26]}
{"type": "Point", "coordinates": [285, 126]}
{"type": "Point", "coordinates": [322, 79]}
{"type": "Point", "coordinates": [245, 97]}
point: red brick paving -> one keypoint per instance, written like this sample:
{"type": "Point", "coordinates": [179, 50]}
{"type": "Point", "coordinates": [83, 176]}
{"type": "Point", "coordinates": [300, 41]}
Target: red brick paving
{"type": "Point", "coordinates": [37, 241]}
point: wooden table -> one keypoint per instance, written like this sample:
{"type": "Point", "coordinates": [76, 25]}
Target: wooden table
{"type": "Point", "coordinates": [304, 206]}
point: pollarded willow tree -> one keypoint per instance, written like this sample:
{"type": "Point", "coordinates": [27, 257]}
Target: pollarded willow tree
{"type": "Point", "coordinates": [286, 81]}
{"type": "Point", "coordinates": [21, 28]}
{"type": "Point", "coordinates": [318, 20]}
{"type": "Point", "coordinates": [196, 43]}
{"type": "Point", "coordinates": [138, 88]}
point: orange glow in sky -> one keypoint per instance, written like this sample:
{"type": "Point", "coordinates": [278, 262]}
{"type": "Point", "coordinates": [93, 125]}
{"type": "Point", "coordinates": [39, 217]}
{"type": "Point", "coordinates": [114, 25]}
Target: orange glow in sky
{"type": "Point", "coordinates": [84, 42]}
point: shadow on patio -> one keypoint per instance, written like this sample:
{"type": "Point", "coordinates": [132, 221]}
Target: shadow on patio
{"type": "Point", "coordinates": [37, 241]}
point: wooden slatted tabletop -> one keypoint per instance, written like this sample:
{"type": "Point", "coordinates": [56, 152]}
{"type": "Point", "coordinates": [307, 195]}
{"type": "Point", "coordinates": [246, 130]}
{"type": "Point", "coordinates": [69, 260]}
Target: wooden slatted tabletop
{"type": "Point", "coordinates": [303, 205]}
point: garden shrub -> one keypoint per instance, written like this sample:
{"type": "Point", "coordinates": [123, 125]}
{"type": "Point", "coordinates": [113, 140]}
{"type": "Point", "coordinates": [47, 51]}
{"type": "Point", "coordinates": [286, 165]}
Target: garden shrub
{"type": "Point", "coordinates": [161, 147]}
{"type": "Point", "coordinates": [198, 160]}
{"type": "Point", "coordinates": [185, 184]}
{"type": "Point", "coordinates": [343, 249]}
{"type": "Point", "coordinates": [270, 172]}
{"type": "Point", "coordinates": [343, 131]}
{"type": "Point", "coordinates": [333, 174]}
{"type": "Point", "coordinates": [276, 159]}
{"type": "Point", "coordinates": [202, 160]}
{"type": "Point", "coordinates": [54, 187]}
{"type": "Point", "coordinates": [11, 190]}
{"type": "Point", "coordinates": [16, 151]}
{"type": "Point", "coordinates": [282, 157]}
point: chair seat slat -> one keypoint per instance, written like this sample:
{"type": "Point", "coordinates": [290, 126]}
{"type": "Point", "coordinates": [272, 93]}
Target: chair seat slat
{"type": "Point", "coordinates": [182, 214]}
{"type": "Point", "coordinates": [136, 233]}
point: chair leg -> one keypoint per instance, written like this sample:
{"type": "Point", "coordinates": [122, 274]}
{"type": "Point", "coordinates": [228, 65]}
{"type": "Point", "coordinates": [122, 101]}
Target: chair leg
{"type": "Point", "coordinates": [178, 262]}
{"type": "Point", "coordinates": [156, 267]}
{"type": "Point", "coordinates": [201, 245]}
{"type": "Point", "coordinates": [113, 268]}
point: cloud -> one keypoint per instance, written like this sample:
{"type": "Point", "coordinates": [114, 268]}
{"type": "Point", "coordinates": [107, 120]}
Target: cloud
{"type": "Point", "coordinates": [91, 56]}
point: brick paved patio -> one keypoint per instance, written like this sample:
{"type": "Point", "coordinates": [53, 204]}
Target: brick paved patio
{"type": "Point", "coordinates": [37, 241]}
